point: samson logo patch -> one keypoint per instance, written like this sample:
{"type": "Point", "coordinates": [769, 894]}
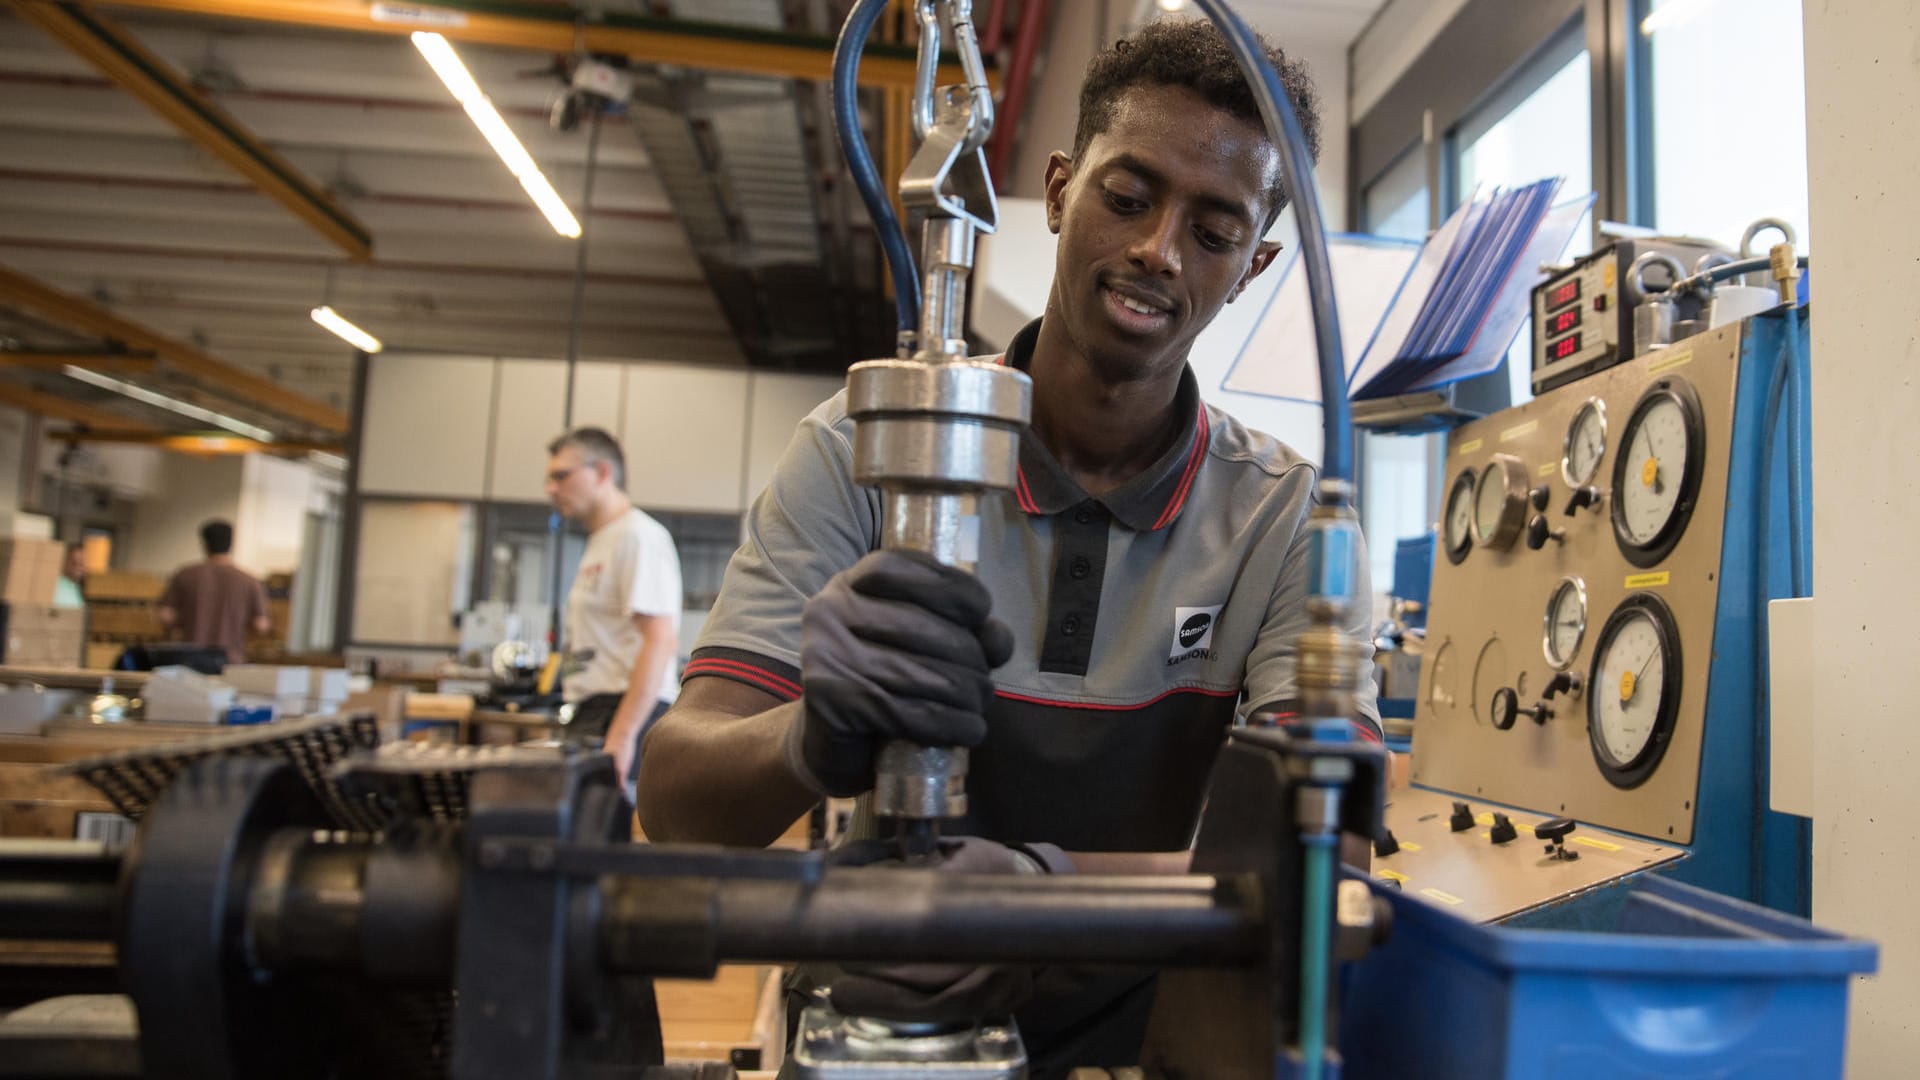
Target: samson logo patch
{"type": "Point", "coordinates": [1192, 632]}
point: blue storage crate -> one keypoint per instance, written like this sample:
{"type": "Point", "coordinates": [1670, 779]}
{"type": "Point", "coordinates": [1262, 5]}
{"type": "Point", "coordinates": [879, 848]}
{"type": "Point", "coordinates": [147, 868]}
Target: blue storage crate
{"type": "Point", "coordinates": [1689, 984]}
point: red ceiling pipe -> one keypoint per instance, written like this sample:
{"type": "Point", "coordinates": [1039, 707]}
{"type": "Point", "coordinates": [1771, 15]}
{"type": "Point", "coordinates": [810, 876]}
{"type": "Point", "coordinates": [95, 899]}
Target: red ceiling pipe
{"type": "Point", "coordinates": [1026, 40]}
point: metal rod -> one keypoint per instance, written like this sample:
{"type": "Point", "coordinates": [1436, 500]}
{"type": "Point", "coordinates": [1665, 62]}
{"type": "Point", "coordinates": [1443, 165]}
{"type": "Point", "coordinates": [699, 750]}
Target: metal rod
{"type": "Point", "coordinates": [556, 528]}
{"type": "Point", "coordinates": [58, 891]}
{"type": "Point", "coordinates": [892, 914]}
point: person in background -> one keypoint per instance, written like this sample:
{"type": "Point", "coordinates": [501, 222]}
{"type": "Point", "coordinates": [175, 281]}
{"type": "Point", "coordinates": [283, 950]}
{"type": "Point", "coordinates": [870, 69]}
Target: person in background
{"type": "Point", "coordinates": [215, 603]}
{"type": "Point", "coordinates": [623, 612]}
{"type": "Point", "coordinates": [68, 592]}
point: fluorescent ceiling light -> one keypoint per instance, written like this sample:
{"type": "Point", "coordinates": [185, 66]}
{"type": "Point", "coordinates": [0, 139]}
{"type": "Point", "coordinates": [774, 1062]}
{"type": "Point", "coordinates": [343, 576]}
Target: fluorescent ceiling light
{"type": "Point", "coordinates": [187, 409]}
{"type": "Point", "coordinates": [1171, 6]}
{"type": "Point", "coordinates": [331, 461]}
{"type": "Point", "coordinates": [347, 332]}
{"type": "Point", "coordinates": [446, 64]}
{"type": "Point", "coordinates": [1671, 14]}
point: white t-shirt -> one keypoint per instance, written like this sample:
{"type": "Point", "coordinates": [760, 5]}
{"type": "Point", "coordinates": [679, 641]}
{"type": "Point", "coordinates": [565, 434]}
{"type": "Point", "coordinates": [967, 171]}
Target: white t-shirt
{"type": "Point", "coordinates": [630, 568]}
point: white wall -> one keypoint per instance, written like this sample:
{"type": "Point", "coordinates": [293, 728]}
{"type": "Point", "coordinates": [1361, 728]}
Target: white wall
{"type": "Point", "coordinates": [1392, 42]}
{"type": "Point", "coordinates": [1863, 151]}
{"type": "Point", "coordinates": [166, 528]}
{"type": "Point", "coordinates": [275, 497]}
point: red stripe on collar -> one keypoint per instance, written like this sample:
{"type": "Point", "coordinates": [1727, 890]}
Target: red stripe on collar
{"type": "Point", "coordinates": [1195, 456]}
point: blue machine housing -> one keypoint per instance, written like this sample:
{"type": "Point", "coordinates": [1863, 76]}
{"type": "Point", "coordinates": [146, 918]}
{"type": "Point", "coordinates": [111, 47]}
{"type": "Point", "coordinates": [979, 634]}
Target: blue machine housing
{"type": "Point", "coordinates": [1741, 847]}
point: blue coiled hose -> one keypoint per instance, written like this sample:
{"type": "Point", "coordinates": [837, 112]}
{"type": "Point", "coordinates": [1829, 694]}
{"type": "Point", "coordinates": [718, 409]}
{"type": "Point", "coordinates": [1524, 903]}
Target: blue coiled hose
{"type": "Point", "coordinates": [866, 176]}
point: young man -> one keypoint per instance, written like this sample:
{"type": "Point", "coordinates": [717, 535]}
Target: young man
{"type": "Point", "coordinates": [1147, 577]}
{"type": "Point", "coordinates": [623, 613]}
{"type": "Point", "coordinates": [215, 602]}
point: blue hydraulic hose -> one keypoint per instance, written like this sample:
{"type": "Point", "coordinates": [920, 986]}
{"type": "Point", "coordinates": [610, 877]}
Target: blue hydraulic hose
{"type": "Point", "coordinates": [1316, 945]}
{"type": "Point", "coordinates": [866, 177]}
{"type": "Point", "coordinates": [1799, 438]}
{"type": "Point", "coordinates": [1296, 167]}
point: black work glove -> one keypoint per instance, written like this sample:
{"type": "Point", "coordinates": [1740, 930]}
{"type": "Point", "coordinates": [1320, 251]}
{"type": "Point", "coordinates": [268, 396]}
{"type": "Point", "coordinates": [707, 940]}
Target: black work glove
{"type": "Point", "coordinates": [944, 993]}
{"type": "Point", "coordinates": [895, 647]}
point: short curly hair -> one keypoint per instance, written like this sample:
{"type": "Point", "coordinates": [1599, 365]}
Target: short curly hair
{"type": "Point", "coordinates": [1191, 53]}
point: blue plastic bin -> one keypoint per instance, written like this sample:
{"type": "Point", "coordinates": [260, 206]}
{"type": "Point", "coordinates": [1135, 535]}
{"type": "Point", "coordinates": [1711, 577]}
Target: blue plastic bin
{"type": "Point", "coordinates": [1688, 984]}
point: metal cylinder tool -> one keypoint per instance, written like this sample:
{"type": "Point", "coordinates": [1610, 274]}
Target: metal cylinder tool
{"type": "Point", "coordinates": [934, 430]}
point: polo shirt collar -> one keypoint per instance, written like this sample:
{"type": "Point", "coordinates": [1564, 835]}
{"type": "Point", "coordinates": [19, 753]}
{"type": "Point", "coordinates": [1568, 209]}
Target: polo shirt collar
{"type": "Point", "coordinates": [1153, 499]}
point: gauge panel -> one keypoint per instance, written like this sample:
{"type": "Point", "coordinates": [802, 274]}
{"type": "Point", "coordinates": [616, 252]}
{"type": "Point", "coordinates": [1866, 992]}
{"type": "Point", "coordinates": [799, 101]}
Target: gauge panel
{"type": "Point", "coordinates": [1633, 690]}
{"type": "Point", "coordinates": [1500, 502]}
{"type": "Point", "coordinates": [1565, 623]}
{"type": "Point", "coordinates": [1490, 673]}
{"type": "Point", "coordinates": [1585, 445]}
{"type": "Point", "coordinates": [1656, 473]}
{"type": "Point", "coordinates": [1457, 527]}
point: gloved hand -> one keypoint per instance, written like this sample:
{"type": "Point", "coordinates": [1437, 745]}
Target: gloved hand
{"type": "Point", "coordinates": [895, 647]}
{"type": "Point", "coordinates": [945, 992]}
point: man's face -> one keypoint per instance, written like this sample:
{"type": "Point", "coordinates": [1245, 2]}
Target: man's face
{"type": "Point", "coordinates": [1159, 222]}
{"type": "Point", "coordinates": [573, 483]}
{"type": "Point", "coordinates": [76, 567]}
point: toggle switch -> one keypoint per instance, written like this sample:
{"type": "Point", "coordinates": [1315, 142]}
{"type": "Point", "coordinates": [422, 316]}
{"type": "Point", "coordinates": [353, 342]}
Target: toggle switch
{"type": "Point", "coordinates": [1385, 844]}
{"type": "Point", "coordinates": [1503, 829]}
{"type": "Point", "coordinates": [1585, 498]}
{"type": "Point", "coordinates": [1462, 819]}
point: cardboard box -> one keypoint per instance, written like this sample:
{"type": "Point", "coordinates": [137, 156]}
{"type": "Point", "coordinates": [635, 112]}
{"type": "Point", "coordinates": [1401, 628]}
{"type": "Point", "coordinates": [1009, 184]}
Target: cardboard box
{"type": "Point", "coordinates": [124, 585]}
{"type": "Point", "coordinates": [29, 569]}
{"type": "Point", "coordinates": [41, 635]}
{"type": "Point", "coordinates": [270, 680]}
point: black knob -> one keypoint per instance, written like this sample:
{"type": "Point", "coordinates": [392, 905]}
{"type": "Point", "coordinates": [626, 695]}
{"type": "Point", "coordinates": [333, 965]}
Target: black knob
{"type": "Point", "coordinates": [1584, 498]}
{"type": "Point", "coordinates": [1540, 712]}
{"type": "Point", "coordinates": [1566, 682]}
{"type": "Point", "coordinates": [1539, 496]}
{"type": "Point", "coordinates": [1538, 533]}
{"type": "Point", "coordinates": [1462, 819]}
{"type": "Point", "coordinates": [1503, 830]}
{"type": "Point", "coordinates": [1385, 844]}
{"type": "Point", "coordinates": [1505, 708]}
{"type": "Point", "coordinates": [1556, 829]}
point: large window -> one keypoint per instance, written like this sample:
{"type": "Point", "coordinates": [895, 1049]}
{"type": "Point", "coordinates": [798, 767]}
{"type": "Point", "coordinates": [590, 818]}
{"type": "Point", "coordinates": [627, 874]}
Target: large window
{"type": "Point", "coordinates": [1540, 126]}
{"type": "Point", "coordinates": [1727, 105]}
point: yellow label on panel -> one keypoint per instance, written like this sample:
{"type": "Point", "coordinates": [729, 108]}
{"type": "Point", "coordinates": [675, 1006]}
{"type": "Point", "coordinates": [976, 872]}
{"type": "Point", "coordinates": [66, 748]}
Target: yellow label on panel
{"type": "Point", "coordinates": [1520, 431]}
{"type": "Point", "coordinates": [1606, 275]}
{"type": "Point", "coordinates": [1469, 446]}
{"type": "Point", "coordinates": [1546, 470]}
{"type": "Point", "coordinates": [1485, 818]}
{"type": "Point", "coordinates": [1391, 875]}
{"type": "Point", "coordinates": [1445, 898]}
{"type": "Point", "coordinates": [1592, 843]}
{"type": "Point", "coordinates": [1409, 846]}
{"type": "Point", "coordinates": [1674, 358]}
{"type": "Point", "coordinates": [1648, 581]}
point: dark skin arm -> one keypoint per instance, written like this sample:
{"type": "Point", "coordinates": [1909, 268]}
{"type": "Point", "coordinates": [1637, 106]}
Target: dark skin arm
{"type": "Point", "coordinates": [715, 768]}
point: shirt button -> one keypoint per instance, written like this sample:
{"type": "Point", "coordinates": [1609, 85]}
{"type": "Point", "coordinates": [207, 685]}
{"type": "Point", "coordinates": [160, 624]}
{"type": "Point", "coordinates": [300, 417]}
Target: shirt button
{"type": "Point", "coordinates": [1079, 567]}
{"type": "Point", "coordinates": [1070, 625]}
{"type": "Point", "coordinates": [1083, 515]}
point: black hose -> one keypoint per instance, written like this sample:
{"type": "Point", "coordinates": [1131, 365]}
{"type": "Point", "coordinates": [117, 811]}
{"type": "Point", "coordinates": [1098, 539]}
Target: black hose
{"type": "Point", "coordinates": [1296, 167]}
{"type": "Point", "coordinates": [866, 177]}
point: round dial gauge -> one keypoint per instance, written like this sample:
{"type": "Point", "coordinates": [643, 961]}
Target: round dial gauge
{"type": "Point", "coordinates": [1458, 525]}
{"type": "Point", "coordinates": [1634, 690]}
{"type": "Point", "coordinates": [1656, 473]}
{"type": "Point", "coordinates": [1489, 674]}
{"type": "Point", "coordinates": [1586, 444]}
{"type": "Point", "coordinates": [1443, 685]}
{"type": "Point", "coordinates": [1566, 622]}
{"type": "Point", "coordinates": [1500, 504]}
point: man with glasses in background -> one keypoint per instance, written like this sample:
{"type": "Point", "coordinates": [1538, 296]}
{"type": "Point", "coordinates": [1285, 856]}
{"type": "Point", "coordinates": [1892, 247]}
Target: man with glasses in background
{"type": "Point", "coordinates": [623, 612]}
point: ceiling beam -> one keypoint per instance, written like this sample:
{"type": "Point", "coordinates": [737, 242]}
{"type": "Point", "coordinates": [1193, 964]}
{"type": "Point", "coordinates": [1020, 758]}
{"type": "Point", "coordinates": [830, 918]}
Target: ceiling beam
{"type": "Point", "coordinates": [228, 380]}
{"type": "Point", "coordinates": [155, 84]}
{"type": "Point", "coordinates": [74, 412]}
{"type": "Point", "coordinates": [116, 363]}
{"type": "Point", "coordinates": [563, 29]}
{"type": "Point", "coordinates": [204, 445]}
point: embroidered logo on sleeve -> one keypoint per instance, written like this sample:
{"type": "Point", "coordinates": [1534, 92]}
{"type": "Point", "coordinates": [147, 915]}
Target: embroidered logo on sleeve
{"type": "Point", "coordinates": [1192, 632]}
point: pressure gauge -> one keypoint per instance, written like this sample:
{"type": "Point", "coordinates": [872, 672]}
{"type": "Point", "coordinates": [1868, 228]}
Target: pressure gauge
{"type": "Point", "coordinates": [1656, 473]}
{"type": "Point", "coordinates": [1500, 503]}
{"type": "Point", "coordinates": [1443, 684]}
{"type": "Point", "coordinates": [1586, 444]}
{"type": "Point", "coordinates": [1458, 525]}
{"type": "Point", "coordinates": [1565, 623]}
{"type": "Point", "coordinates": [1633, 693]}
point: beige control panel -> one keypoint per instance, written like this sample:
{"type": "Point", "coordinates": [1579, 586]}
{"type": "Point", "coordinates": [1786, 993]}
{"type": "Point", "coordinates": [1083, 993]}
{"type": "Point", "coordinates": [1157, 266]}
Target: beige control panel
{"type": "Point", "coordinates": [1567, 653]}
{"type": "Point", "coordinates": [1466, 872]}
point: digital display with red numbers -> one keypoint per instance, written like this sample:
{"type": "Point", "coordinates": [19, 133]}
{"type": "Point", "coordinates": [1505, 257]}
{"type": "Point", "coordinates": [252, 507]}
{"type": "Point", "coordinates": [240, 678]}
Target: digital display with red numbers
{"type": "Point", "coordinates": [1564, 348]}
{"type": "Point", "coordinates": [1563, 294]}
{"type": "Point", "coordinates": [1563, 322]}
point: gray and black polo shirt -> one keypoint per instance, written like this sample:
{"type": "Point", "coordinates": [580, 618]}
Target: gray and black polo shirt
{"type": "Point", "coordinates": [1143, 619]}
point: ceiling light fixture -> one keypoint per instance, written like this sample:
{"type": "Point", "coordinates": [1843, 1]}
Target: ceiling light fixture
{"type": "Point", "coordinates": [1670, 14]}
{"type": "Point", "coordinates": [1171, 6]}
{"type": "Point", "coordinates": [345, 330]}
{"type": "Point", "coordinates": [175, 405]}
{"type": "Point", "coordinates": [446, 64]}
